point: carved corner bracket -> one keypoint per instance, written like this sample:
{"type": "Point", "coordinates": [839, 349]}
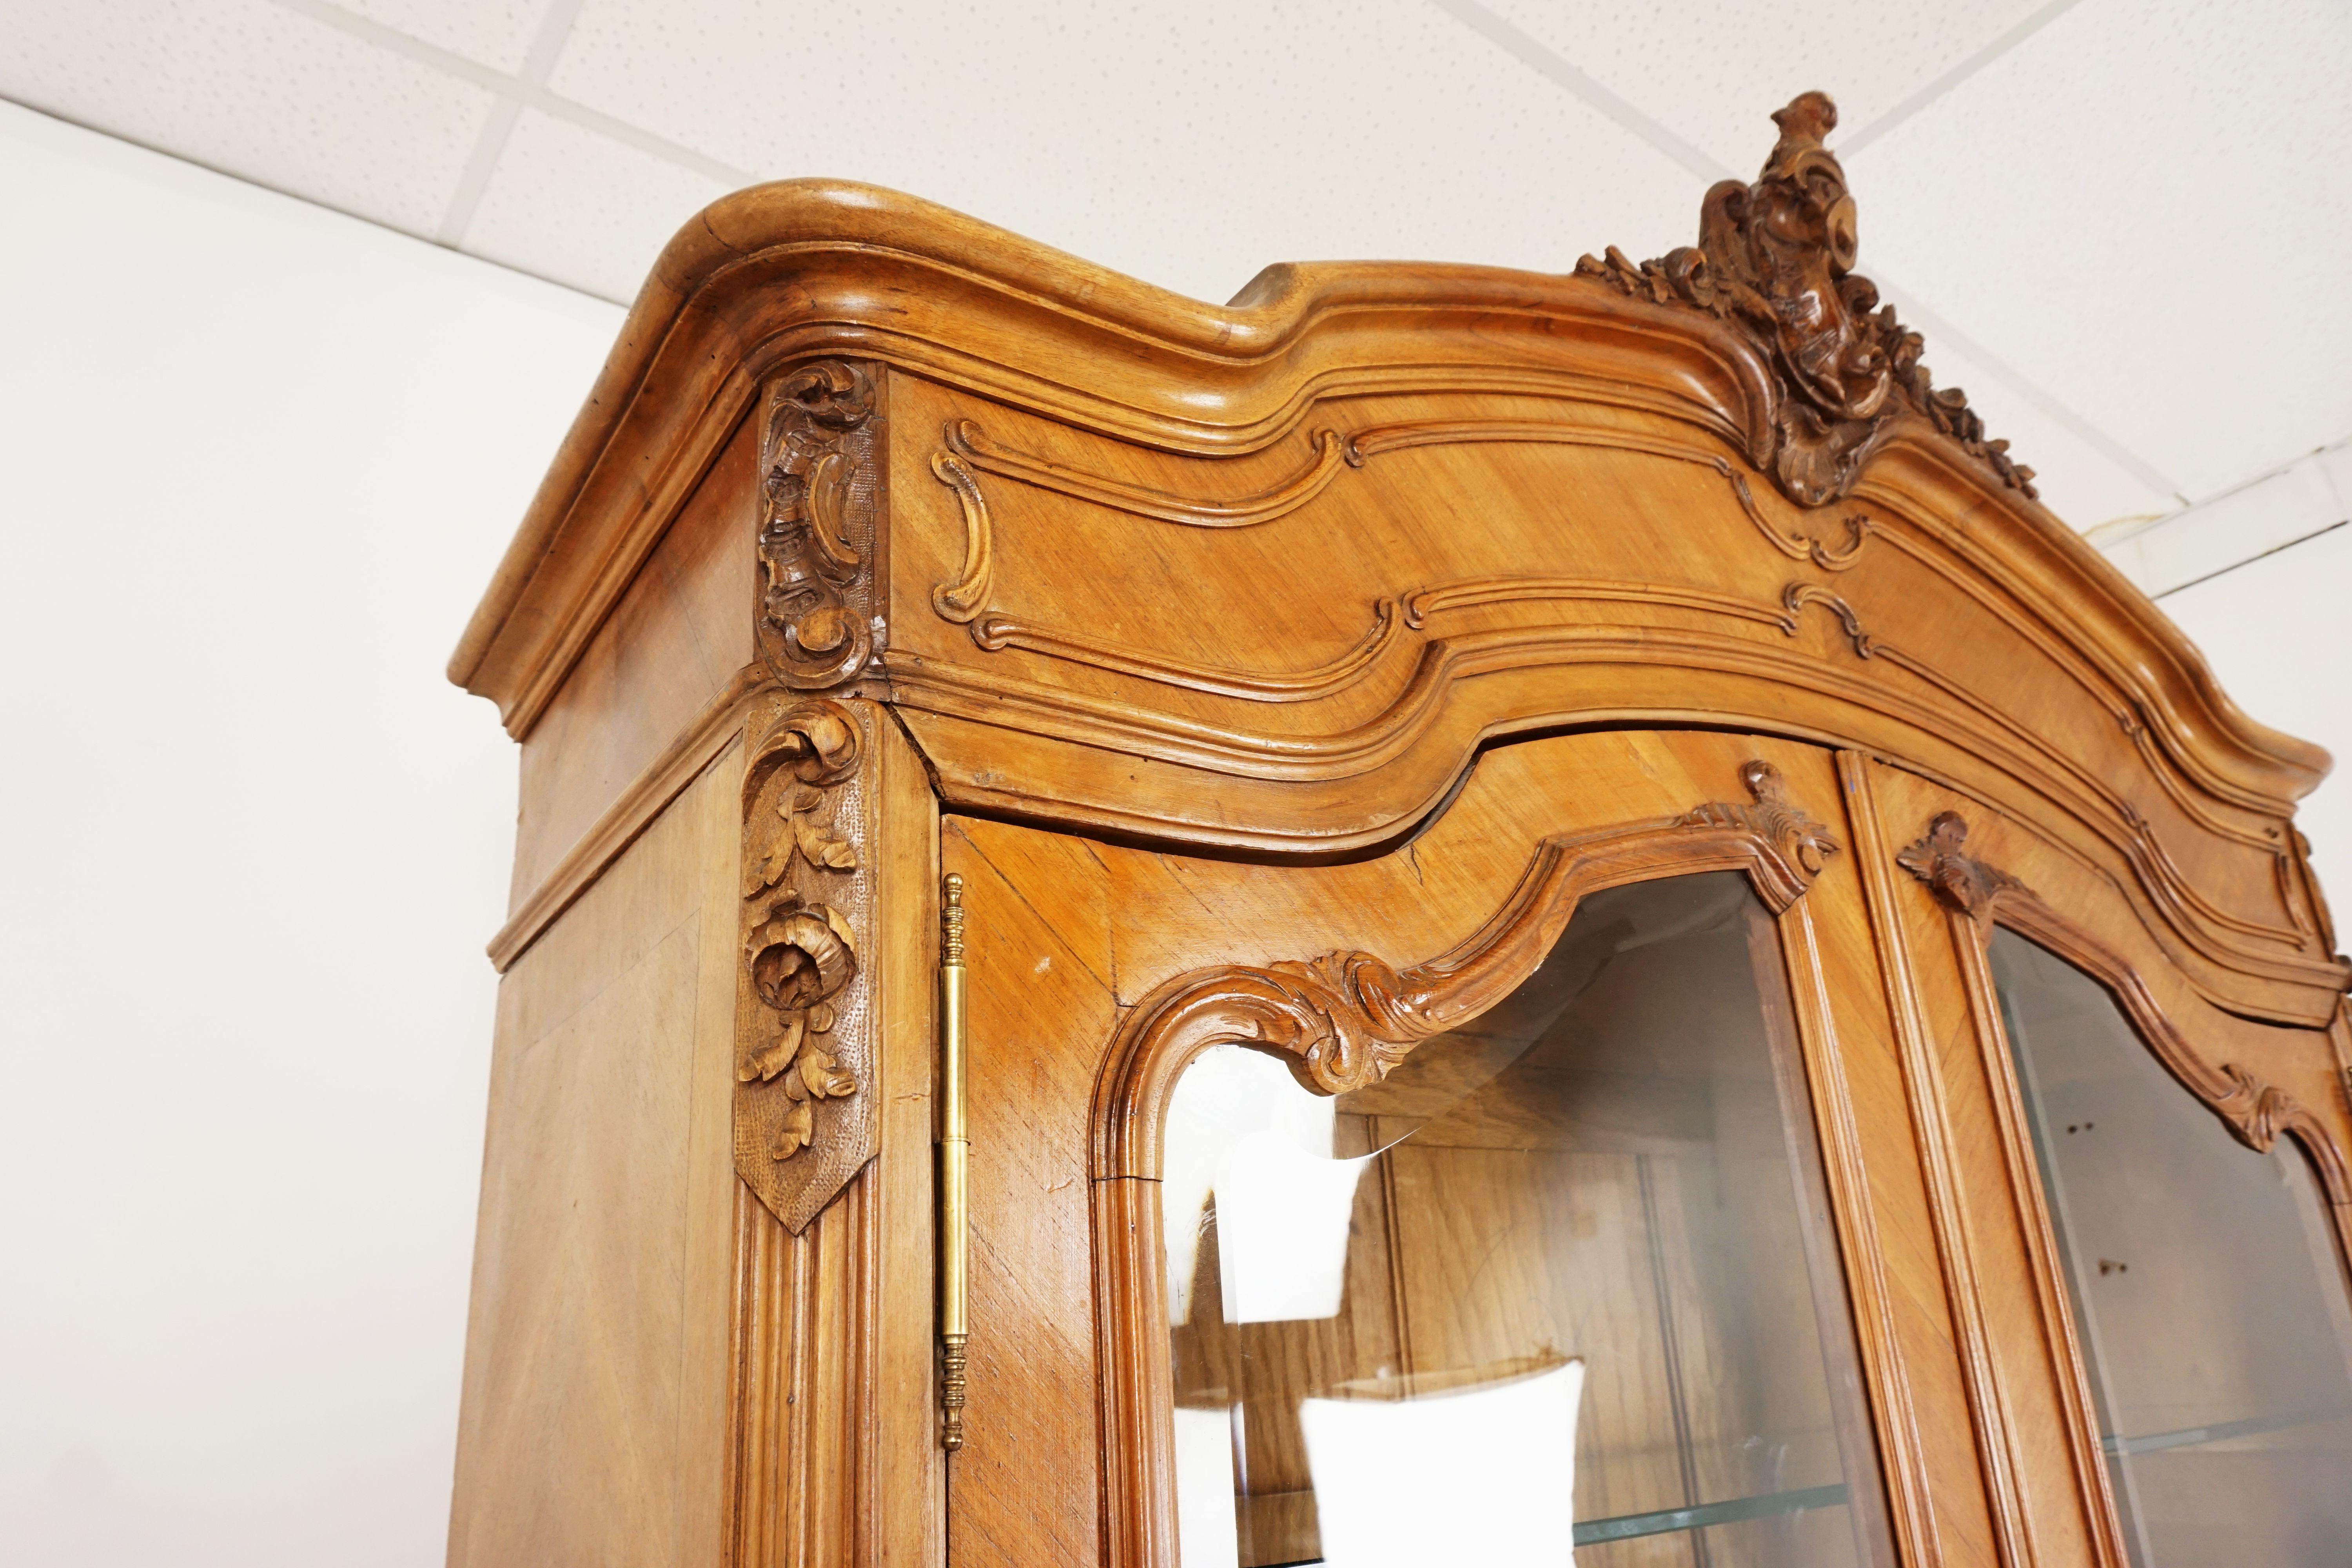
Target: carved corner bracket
{"type": "Point", "coordinates": [803, 1020]}
{"type": "Point", "coordinates": [820, 485]}
{"type": "Point", "coordinates": [2254, 1109]}
{"type": "Point", "coordinates": [1775, 260]}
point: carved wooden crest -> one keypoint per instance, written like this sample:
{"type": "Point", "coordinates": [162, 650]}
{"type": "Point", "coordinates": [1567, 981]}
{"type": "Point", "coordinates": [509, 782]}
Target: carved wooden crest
{"type": "Point", "coordinates": [1775, 259]}
{"type": "Point", "coordinates": [803, 1121]}
{"type": "Point", "coordinates": [816, 536]}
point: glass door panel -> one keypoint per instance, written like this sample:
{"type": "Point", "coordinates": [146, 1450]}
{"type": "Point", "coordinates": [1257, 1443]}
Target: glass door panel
{"type": "Point", "coordinates": [1565, 1278]}
{"type": "Point", "coordinates": [2206, 1290]}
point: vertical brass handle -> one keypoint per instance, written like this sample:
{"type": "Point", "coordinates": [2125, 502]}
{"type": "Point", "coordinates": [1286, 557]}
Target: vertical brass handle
{"type": "Point", "coordinates": [954, 1146]}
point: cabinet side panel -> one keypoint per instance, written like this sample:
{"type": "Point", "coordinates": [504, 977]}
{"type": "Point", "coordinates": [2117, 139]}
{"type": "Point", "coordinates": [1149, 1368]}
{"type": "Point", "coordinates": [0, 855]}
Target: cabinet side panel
{"type": "Point", "coordinates": [593, 1423]}
{"type": "Point", "coordinates": [675, 640]}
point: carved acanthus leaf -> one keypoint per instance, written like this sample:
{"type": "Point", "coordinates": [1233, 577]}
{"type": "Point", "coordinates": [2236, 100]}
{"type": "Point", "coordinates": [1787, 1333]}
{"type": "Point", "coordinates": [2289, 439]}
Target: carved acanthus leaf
{"type": "Point", "coordinates": [800, 973]}
{"type": "Point", "coordinates": [1802, 842]}
{"type": "Point", "coordinates": [1967, 884]}
{"type": "Point", "coordinates": [818, 463]}
{"type": "Point", "coordinates": [1340, 1021]}
{"type": "Point", "coordinates": [1776, 258]}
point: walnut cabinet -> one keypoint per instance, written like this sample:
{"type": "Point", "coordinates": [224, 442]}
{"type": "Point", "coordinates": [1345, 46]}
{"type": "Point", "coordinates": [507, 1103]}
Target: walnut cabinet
{"type": "Point", "coordinates": [1442, 914]}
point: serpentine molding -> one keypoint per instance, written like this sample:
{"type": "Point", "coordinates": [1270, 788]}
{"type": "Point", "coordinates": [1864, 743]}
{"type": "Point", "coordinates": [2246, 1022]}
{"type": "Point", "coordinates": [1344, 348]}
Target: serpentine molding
{"type": "Point", "coordinates": [2156, 867]}
{"type": "Point", "coordinates": [961, 599]}
{"type": "Point", "coordinates": [966, 440]}
{"type": "Point", "coordinates": [2255, 1111]}
{"type": "Point", "coordinates": [1341, 1021]}
{"type": "Point", "coordinates": [996, 632]}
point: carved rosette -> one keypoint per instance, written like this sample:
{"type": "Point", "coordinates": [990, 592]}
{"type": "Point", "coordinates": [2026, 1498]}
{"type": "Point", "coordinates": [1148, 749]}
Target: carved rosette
{"type": "Point", "coordinates": [803, 1062]}
{"type": "Point", "coordinates": [819, 485]}
{"type": "Point", "coordinates": [1775, 260]}
{"type": "Point", "coordinates": [1804, 843]}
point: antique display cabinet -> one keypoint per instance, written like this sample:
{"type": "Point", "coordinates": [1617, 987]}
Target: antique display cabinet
{"type": "Point", "coordinates": [1441, 915]}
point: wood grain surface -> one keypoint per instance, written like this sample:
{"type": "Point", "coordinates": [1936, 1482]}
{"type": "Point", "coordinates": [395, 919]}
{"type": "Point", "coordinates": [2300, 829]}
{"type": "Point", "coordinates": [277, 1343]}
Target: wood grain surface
{"type": "Point", "coordinates": [1288, 668]}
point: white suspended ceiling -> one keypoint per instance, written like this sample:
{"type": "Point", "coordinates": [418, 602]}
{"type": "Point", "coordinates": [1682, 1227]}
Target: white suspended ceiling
{"type": "Point", "coordinates": [2118, 223]}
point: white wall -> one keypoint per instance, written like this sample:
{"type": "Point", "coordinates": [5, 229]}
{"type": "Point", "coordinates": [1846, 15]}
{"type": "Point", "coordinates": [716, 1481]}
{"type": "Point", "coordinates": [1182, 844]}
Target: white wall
{"type": "Point", "coordinates": [2278, 631]}
{"type": "Point", "coordinates": [255, 462]}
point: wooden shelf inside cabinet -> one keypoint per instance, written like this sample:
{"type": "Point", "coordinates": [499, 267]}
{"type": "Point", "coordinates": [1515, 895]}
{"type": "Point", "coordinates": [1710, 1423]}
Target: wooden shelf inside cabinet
{"type": "Point", "coordinates": [1438, 909]}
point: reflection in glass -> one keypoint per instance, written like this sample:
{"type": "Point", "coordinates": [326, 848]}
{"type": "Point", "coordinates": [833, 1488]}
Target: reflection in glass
{"type": "Point", "coordinates": [1566, 1276]}
{"type": "Point", "coordinates": [2206, 1292]}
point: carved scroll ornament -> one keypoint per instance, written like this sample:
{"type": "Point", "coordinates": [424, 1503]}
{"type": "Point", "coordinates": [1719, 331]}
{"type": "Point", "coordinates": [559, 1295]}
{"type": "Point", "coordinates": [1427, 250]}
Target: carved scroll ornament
{"type": "Point", "coordinates": [1775, 260]}
{"type": "Point", "coordinates": [801, 1022]}
{"type": "Point", "coordinates": [2254, 1109]}
{"type": "Point", "coordinates": [817, 466]}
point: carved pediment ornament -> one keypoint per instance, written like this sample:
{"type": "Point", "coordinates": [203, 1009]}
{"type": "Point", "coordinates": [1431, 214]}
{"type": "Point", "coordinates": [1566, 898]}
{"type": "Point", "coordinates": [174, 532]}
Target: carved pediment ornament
{"type": "Point", "coordinates": [800, 1024]}
{"type": "Point", "coordinates": [818, 486]}
{"type": "Point", "coordinates": [1775, 258]}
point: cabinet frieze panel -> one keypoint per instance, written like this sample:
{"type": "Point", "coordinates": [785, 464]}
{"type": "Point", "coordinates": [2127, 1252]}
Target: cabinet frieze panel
{"type": "Point", "coordinates": [817, 540]}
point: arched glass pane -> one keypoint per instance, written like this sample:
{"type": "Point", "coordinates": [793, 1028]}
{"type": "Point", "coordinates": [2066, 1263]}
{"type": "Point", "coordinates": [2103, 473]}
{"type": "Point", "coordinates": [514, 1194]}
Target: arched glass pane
{"type": "Point", "coordinates": [1565, 1278]}
{"type": "Point", "coordinates": [2206, 1290]}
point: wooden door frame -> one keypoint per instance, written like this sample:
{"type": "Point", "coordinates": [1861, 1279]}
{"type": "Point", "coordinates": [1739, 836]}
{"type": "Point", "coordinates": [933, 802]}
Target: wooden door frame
{"type": "Point", "coordinates": [1974, 897]}
{"type": "Point", "coordinates": [1342, 1020]}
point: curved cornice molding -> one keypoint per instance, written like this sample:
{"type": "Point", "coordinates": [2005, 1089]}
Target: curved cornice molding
{"type": "Point", "coordinates": [805, 269]}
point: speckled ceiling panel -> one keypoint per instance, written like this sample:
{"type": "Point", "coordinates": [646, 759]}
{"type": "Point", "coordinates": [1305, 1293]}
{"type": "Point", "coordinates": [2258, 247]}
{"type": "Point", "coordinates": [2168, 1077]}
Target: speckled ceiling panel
{"type": "Point", "coordinates": [1187, 146]}
{"type": "Point", "coordinates": [2143, 209]}
{"type": "Point", "coordinates": [256, 91]}
{"type": "Point", "coordinates": [1712, 73]}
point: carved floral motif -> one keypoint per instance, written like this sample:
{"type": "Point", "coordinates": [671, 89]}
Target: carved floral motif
{"type": "Point", "coordinates": [800, 952]}
{"type": "Point", "coordinates": [1776, 258]}
{"type": "Point", "coordinates": [817, 481]}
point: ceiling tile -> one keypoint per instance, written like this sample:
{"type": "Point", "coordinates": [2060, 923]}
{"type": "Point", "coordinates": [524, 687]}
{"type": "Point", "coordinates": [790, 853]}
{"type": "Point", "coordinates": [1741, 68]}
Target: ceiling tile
{"type": "Point", "coordinates": [2083, 485]}
{"type": "Point", "coordinates": [496, 33]}
{"type": "Point", "coordinates": [1714, 73]}
{"type": "Point", "coordinates": [579, 207]}
{"type": "Point", "coordinates": [250, 88]}
{"type": "Point", "coordinates": [1186, 147]}
{"type": "Point", "coordinates": [2143, 210]}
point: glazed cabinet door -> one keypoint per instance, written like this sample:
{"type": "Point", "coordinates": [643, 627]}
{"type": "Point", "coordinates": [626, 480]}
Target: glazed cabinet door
{"type": "Point", "coordinates": [2151, 1197]}
{"type": "Point", "coordinates": [1548, 1182]}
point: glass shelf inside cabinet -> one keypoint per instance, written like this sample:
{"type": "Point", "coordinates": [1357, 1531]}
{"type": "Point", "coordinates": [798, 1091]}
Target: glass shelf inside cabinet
{"type": "Point", "coordinates": [1565, 1280]}
{"type": "Point", "coordinates": [2208, 1294]}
